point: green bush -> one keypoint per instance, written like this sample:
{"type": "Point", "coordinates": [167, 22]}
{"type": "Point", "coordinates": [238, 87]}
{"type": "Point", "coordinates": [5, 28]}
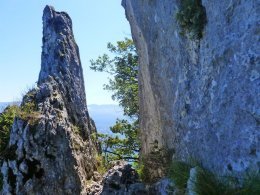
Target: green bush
{"type": "Point", "coordinates": [251, 184]}
{"type": "Point", "coordinates": [192, 18]}
{"type": "Point", "coordinates": [6, 122]}
{"type": "Point", "coordinates": [179, 172]}
{"type": "Point", "coordinates": [28, 112]}
{"type": "Point", "coordinates": [143, 171]}
{"type": "Point", "coordinates": [154, 165]}
{"type": "Point", "coordinates": [75, 129]}
{"type": "Point", "coordinates": [207, 183]}
{"type": "Point", "coordinates": [101, 164]}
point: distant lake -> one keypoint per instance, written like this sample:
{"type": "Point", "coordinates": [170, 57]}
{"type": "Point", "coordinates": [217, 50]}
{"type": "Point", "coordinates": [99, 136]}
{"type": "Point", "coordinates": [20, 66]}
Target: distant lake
{"type": "Point", "coordinates": [105, 116]}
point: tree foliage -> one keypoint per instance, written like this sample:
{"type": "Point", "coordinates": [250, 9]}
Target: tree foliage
{"type": "Point", "coordinates": [124, 69]}
{"type": "Point", "coordinates": [124, 143]}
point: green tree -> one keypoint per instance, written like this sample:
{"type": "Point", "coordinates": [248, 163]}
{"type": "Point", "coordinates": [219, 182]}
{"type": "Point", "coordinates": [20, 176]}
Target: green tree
{"type": "Point", "coordinates": [123, 67]}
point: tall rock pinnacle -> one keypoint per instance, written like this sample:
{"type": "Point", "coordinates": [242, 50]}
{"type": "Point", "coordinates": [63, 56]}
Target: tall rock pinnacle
{"type": "Point", "coordinates": [61, 60]}
{"type": "Point", "coordinates": [51, 150]}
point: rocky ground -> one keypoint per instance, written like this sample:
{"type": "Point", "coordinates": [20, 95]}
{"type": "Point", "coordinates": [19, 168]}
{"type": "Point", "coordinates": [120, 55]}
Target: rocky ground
{"type": "Point", "coordinates": [122, 179]}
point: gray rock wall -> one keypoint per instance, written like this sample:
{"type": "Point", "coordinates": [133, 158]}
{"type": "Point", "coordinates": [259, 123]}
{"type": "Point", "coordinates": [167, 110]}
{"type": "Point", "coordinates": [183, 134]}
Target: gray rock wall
{"type": "Point", "coordinates": [200, 99]}
{"type": "Point", "coordinates": [51, 150]}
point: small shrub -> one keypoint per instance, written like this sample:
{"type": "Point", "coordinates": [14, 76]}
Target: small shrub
{"type": "Point", "coordinates": [154, 165]}
{"type": "Point", "coordinates": [139, 167]}
{"type": "Point", "coordinates": [251, 185]}
{"type": "Point", "coordinates": [143, 171]}
{"type": "Point", "coordinates": [28, 109]}
{"type": "Point", "coordinates": [76, 146]}
{"type": "Point", "coordinates": [179, 172]}
{"type": "Point", "coordinates": [192, 18]}
{"type": "Point", "coordinates": [28, 112]}
{"type": "Point", "coordinates": [94, 136]}
{"type": "Point", "coordinates": [75, 129]}
{"type": "Point", "coordinates": [89, 182]}
{"type": "Point", "coordinates": [6, 122]}
{"type": "Point", "coordinates": [101, 165]}
{"type": "Point", "coordinates": [207, 183]}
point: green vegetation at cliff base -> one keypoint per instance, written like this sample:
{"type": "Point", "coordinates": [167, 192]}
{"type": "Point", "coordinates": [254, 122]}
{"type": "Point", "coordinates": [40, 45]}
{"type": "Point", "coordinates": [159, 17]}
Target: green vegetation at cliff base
{"type": "Point", "coordinates": [205, 182]}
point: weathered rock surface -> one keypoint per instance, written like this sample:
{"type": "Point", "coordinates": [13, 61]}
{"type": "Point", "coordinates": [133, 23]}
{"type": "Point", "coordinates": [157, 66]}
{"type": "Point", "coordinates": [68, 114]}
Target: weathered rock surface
{"type": "Point", "coordinates": [200, 99]}
{"type": "Point", "coordinates": [116, 180]}
{"type": "Point", "coordinates": [122, 179]}
{"type": "Point", "coordinates": [52, 152]}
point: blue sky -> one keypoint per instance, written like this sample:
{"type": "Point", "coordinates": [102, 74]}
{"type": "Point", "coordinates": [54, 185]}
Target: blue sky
{"type": "Point", "coordinates": [95, 22]}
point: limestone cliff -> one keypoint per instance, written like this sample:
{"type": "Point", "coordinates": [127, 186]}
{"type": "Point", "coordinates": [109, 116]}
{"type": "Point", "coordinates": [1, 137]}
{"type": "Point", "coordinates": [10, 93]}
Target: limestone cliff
{"type": "Point", "coordinates": [199, 99]}
{"type": "Point", "coordinates": [51, 150]}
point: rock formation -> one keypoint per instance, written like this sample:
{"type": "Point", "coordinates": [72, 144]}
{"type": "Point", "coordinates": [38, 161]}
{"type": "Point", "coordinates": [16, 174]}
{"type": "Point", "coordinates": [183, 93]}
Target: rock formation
{"type": "Point", "coordinates": [51, 150]}
{"type": "Point", "coordinates": [199, 99]}
{"type": "Point", "coordinates": [122, 179]}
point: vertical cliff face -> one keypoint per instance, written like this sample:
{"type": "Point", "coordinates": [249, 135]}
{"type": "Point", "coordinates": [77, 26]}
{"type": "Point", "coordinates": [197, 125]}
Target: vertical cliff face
{"type": "Point", "coordinates": [50, 149]}
{"type": "Point", "coordinates": [200, 98]}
